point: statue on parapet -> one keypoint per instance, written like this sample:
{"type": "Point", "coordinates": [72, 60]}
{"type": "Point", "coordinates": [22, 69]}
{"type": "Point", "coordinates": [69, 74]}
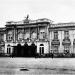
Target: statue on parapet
{"type": "Point", "coordinates": [26, 19]}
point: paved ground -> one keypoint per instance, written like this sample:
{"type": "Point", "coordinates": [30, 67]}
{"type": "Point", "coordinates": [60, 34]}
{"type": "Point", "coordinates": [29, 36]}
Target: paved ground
{"type": "Point", "coordinates": [37, 66]}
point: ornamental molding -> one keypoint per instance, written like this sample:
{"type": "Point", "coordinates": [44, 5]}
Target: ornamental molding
{"type": "Point", "coordinates": [55, 42]}
{"type": "Point", "coordinates": [66, 42]}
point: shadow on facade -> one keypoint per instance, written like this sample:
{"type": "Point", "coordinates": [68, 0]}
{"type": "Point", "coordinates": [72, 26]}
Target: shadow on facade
{"type": "Point", "coordinates": [24, 51]}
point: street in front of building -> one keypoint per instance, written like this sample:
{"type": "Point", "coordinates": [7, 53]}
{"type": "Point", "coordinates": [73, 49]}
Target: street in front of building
{"type": "Point", "coordinates": [37, 66]}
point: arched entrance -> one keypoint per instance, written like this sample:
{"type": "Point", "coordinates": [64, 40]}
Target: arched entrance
{"type": "Point", "coordinates": [14, 53]}
{"type": "Point", "coordinates": [8, 49]}
{"type": "Point", "coordinates": [32, 50]}
{"type": "Point", "coordinates": [19, 52]}
{"type": "Point", "coordinates": [41, 49]}
{"type": "Point", "coordinates": [25, 50]}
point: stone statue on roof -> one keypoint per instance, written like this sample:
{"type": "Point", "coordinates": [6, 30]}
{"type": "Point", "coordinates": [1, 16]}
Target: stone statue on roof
{"type": "Point", "coordinates": [26, 19]}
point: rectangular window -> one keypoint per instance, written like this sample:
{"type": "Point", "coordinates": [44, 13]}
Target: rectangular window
{"type": "Point", "coordinates": [42, 35]}
{"type": "Point", "coordinates": [9, 37]}
{"type": "Point", "coordinates": [55, 34]}
{"type": "Point", "coordinates": [66, 34]}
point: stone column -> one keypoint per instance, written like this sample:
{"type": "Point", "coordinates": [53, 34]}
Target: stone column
{"type": "Point", "coordinates": [24, 34]}
{"type": "Point", "coordinates": [38, 32]}
{"type": "Point", "coordinates": [14, 32]}
{"type": "Point", "coordinates": [30, 32]}
{"type": "Point", "coordinates": [6, 35]}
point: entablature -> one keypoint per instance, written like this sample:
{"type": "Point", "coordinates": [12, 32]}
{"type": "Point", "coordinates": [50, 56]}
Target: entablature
{"type": "Point", "coordinates": [62, 28]}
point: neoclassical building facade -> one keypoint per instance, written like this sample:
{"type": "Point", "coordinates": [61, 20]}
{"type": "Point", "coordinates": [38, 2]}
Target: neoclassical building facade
{"type": "Point", "coordinates": [28, 31]}
{"type": "Point", "coordinates": [46, 36]}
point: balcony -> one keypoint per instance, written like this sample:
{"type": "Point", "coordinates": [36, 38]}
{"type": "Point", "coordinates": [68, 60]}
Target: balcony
{"type": "Point", "coordinates": [66, 42]}
{"type": "Point", "coordinates": [55, 42]}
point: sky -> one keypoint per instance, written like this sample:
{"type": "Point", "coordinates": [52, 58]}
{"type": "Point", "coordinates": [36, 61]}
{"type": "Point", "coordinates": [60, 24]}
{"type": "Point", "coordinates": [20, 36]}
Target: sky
{"type": "Point", "coordinates": [58, 11]}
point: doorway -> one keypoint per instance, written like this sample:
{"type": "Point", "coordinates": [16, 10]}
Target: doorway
{"type": "Point", "coordinates": [41, 49]}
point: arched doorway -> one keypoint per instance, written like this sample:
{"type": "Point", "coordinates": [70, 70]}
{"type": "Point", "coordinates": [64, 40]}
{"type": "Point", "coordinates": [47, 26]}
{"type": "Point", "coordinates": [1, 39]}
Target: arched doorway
{"type": "Point", "coordinates": [14, 52]}
{"type": "Point", "coordinates": [32, 50]}
{"type": "Point", "coordinates": [25, 50]}
{"type": "Point", "coordinates": [8, 49]}
{"type": "Point", "coordinates": [41, 49]}
{"type": "Point", "coordinates": [18, 50]}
